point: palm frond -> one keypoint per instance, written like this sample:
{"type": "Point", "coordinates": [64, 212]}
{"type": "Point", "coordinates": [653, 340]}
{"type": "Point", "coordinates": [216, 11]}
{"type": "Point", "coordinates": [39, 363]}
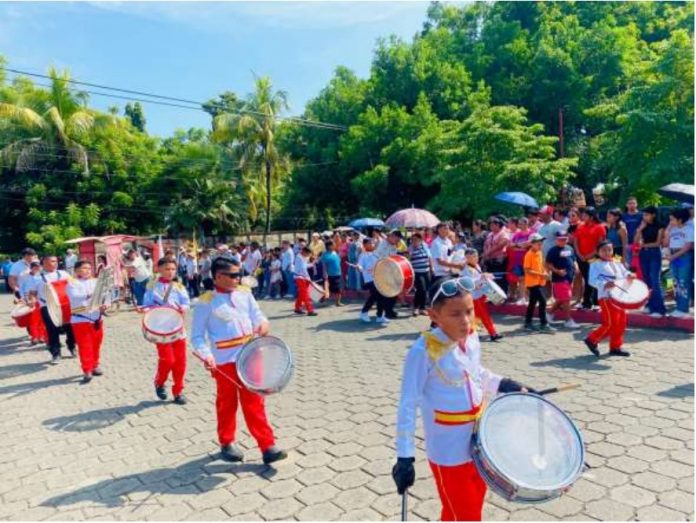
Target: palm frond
{"type": "Point", "coordinates": [22, 115]}
{"type": "Point", "coordinates": [79, 123]}
{"type": "Point", "coordinates": [55, 119]}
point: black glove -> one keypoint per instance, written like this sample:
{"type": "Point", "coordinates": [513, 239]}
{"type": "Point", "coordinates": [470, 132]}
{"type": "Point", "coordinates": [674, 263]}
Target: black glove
{"type": "Point", "coordinates": [404, 474]}
{"type": "Point", "coordinates": [510, 385]}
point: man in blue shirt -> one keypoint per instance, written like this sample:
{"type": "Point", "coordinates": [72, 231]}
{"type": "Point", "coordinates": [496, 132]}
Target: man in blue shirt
{"type": "Point", "coordinates": [5, 267]}
{"type": "Point", "coordinates": [332, 268]}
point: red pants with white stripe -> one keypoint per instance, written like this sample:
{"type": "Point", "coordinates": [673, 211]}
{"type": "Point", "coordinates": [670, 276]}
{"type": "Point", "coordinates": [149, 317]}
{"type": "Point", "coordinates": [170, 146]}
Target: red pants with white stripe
{"type": "Point", "coordinates": [172, 358]}
{"type": "Point", "coordinates": [37, 329]}
{"type": "Point", "coordinates": [303, 297]}
{"type": "Point", "coordinates": [88, 338]}
{"type": "Point", "coordinates": [481, 312]}
{"type": "Point", "coordinates": [613, 325]}
{"type": "Point", "coordinates": [229, 396]}
{"type": "Point", "coordinates": [461, 491]}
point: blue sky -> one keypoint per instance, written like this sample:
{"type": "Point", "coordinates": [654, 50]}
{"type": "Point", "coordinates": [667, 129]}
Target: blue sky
{"type": "Point", "coordinates": [197, 50]}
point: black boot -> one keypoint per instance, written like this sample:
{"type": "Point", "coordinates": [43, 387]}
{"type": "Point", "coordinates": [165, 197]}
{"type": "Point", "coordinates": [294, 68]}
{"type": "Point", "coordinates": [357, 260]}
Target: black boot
{"type": "Point", "coordinates": [86, 378]}
{"type": "Point", "coordinates": [274, 454]}
{"type": "Point", "coordinates": [619, 352]}
{"type": "Point", "coordinates": [231, 453]}
{"type": "Point", "coordinates": [592, 347]}
{"type": "Point", "coordinates": [97, 372]}
{"type": "Point", "coordinates": [161, 392]}
{"type": "Point", "coordinates": [180, 399]}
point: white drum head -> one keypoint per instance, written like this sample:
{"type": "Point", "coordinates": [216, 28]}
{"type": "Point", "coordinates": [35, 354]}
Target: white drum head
{"type": "Point", "coordinates": [55, 312]}
{"type": "Point", "coordinates": [316, 292]}
{"type": "Point", "coordinates": [630, 294]}
{"type": "Point", "coordinates": [21, 309]}
{"type": "Point", "coordinates": [265, 365]}
{"type": "Point", "coordinates": [163, 321]}
{"type": "Point", "coordinates": [531, 442]}
{"type": "Point", "coordinates": [389, 279]}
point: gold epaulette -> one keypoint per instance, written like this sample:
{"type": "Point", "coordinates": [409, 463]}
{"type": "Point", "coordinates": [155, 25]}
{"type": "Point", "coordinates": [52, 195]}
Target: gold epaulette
{"type": "Point", "coordinates": [243, 288]}
{"type": "Point", "coordinates": [179, 285]}
{"type": "Point", "coordinates": [206, 297]}
{"type": "Point", "coordinates": [434, 346]}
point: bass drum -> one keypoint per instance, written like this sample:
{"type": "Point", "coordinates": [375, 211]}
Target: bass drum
{"type": "Point", "coordinates": [526, 449]}
{"type": "Point", "coordinates": [58, 303]}
{"type": "Point", "coordinates": [21, 314]}
{"type": "Point", "coordinates": [393, 275]}
{"type": "Point", "coordinates": [629, 295]}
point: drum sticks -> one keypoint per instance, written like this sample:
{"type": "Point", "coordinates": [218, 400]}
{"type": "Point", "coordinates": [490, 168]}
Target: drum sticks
{"type": "Point", "coordinates": [560, 388]}
{"type": "Point", "coordinates": [224, 375]}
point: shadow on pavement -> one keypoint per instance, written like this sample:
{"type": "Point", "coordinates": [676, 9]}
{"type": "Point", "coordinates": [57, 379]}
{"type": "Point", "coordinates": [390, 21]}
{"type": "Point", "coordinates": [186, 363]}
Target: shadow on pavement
{"type": "Point", "coordinates": [679, 391]}
{"type": "Point", "coordinates": [348, 325]}
{"type": "Point", "coordinates": [410, 337]}
{"type": "Point", "coordinates": [96, 419]}
{"type": "Point", "coordinates": [194, 477]}
{"type": "Point", "coordinates": [585, 362]}
{"type": "Point", "coordinates": [21, 389]}
{"type": "Point", "coordinates": [20, 369]}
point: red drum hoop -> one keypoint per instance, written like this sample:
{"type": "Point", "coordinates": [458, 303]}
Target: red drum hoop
{"type": "Point", "coordinates": [58, 302]}
{"type": "Point", "coordinates": [316, 292]}
{"type": "Point", "coordinates": [393, 276]}
{"type": "Point", "coordinates": [629, 295]}
{"type": "Point", "coordinates": [21, 314]}
{"type": "Point", "coordinates": [163, 325]}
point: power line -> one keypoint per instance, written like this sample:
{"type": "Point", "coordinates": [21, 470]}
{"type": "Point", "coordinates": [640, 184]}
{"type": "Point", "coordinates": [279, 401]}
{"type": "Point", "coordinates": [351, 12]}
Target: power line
{"type": "Point", "coordinates": [296, 119]}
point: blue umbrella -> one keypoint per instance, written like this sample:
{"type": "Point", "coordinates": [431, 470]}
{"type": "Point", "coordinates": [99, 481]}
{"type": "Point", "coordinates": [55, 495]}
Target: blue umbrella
{"type": "Point", "coordinates": [361, 223]}
{"type": "Point", "coordinates": [517, 198]}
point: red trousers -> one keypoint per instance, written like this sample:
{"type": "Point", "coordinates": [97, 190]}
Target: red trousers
{"type": "Point", "coordinates": [461, 491]}
{"type": "Point", "coordinates": [36, 328]}
{"type": "Point", "coordinates": [172, 358]}
{"type": "Point", "coordinates": [89, 341]}
{"type": "Point", "coordinates": [229, 395]}
{"type": "Point", "coordinates": [303, 297]}
{"type": "Point", "coordinates": [613, 325]}
{"type": "Point", "coordinates": [481, 312]}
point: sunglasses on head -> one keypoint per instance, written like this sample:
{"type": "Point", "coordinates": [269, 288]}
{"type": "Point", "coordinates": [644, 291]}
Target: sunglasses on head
{"type": "Point", "coordinates": [231, 274]}
{"type": "Point", "coordinates": [449, 288]}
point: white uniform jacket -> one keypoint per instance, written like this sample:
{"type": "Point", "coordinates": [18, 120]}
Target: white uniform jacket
{"type": "Point", "coordinates": [477, 276]}
{"type": "Point", "coordinates": [223, 322]}
{"type": "Point", "coordinates": [451, 388]}
{"type": "Point", "coordinates": [156, 290]}
{"type": "Point", "coordinates": [80, 294]}
{"type": "Point", "coordinates": [602, 272]}
{"type": "Point", "coordinates": [48, 277]}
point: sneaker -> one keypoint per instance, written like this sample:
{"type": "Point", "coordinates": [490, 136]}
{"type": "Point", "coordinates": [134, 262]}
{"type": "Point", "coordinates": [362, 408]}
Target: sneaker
{"type": "Point", "coordinates": [299, 312]}
{"type": "Point", "coordinates": [161, 392]}
{"type": "Point", "coordinates": [312, 314]}
{"type": "Point", "coordinates": [554, 321]}
{"type": "Point", "coordinates": [679, 314]}
{"type": "Point", "coordinates": [382, 320]}
{"type": "Point", "coordinates": [530, 327]}
{"type": "Point", "coordinates": [570, 324]}
{"type": "Point", "coordinates": [414, 313]}
{"type": "Point", "coordinates": [365, 317]}
{"type": "Point", "coordinates": [97, 372]}
{"type": "Point", "coordinates": [592, 347]}
{"type": "Point", "coordinates": [656, 315]}
{"type": "Point", "coordinates": [86, 378]}
{"type": "Point", "coordinates": [287, 296]}
{"type": "Point", "coordinates": [521, 301]}
{"type": "Point", "coordinates": [496, 337]}
{"type": "Point", "coordinates": [547, 328]}
{"type": "Point", "coordinates": [619, 352]}
{"type": "Point", "coordinates": [231, 453]}
{"type": "Point", "coordinates": [180, 399]}
{"type": "Point", "coordinates": [596, 308]}
{"type": "Point", "coordinates": [274, 454]}
{"type": "Point", "coordinates": [55, 360]}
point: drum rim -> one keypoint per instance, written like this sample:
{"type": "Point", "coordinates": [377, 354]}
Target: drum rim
{"type": "Point", "coordinates": [399, 260]}
{"type": "Point", "coordinates": [54, 305]}
{"type": "Point", "coordinates": [629, 304]}
{"type": "Point", "coordinates": [485, 453]}
{"type": "Point", "coordinates": [287, 372]}
{"type": "Point", "coordinates": [29, 310]}
{"type": "Point", "coordinates": [159, 333]}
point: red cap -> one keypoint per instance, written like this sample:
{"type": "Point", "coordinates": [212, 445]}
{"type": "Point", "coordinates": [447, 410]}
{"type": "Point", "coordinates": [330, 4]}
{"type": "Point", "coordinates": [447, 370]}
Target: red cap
{"type": "Point", "coordinates": [546, 209]}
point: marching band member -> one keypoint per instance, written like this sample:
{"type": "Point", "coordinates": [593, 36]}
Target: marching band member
{"type": "Point", "coordinates": [443, 376]}
{"type": "Point", "coordinates": [603, 274]}
{"type": "Point", "coordinates": [36, 329]}
{"type": "Point", "coordinates": [49, 274]}
{"type": "Point", "coordinates": [303, 281]}
{"type": "Point", "coordinates": [87, 327]}
{"type": "Point", "coordinates": [387, 246]}
{"type": "Point", "coordinates": [473, 270]}
{"type": "Point", "coordinates": [164, 291]}
{"type": "Point", "coordinates": [20, 270]}
{"type": "Point", "coordinates": [223, 321]}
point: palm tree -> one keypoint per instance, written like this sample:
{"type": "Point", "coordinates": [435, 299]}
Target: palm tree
{"type": "Point", "coordinates": [251, 133]}
{"type": "Point", "coordinates": [51, 124]}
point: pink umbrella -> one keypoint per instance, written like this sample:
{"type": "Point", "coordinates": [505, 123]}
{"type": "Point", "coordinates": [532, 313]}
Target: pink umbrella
{"type": "Point", "coordinates": [412, 219]}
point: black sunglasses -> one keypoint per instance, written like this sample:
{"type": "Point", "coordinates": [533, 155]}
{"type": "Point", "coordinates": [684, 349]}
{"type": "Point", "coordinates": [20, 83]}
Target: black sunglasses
{"type": "Point", "coordinates": [231, 274]}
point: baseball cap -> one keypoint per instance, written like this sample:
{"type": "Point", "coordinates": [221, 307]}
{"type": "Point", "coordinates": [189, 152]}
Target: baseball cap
{"type": "Point", "coordinates": [536, 237]}
{"type": "Point", "coordinates": [562, 234]}
{"type": "Point", "coordinates": [546, 209]}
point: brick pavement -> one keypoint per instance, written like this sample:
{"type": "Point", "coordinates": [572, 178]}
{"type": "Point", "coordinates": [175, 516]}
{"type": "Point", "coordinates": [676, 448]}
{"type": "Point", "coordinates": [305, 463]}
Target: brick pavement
{"type": "Point", "coordinates": [110, 450]}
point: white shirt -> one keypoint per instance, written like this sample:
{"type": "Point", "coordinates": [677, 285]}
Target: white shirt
{"type": "Point", "coordinates": [252, 261]}
{"type": "Point", "coordinates": [287, 259]}
{"type": "Point", "coordinates": [302, 268]}
{"type": "Point", "coordinates": [29, 284]}
{"type": "Point", "coordinates": [191, 267]}
{"type": "Point", "coordinates": [602, 272]}
{"type": "Point", "coordinates": [439, 250]}
{"type": "Point", "coordinates": [80, 294]}
{"type": "Point", "coordinates": [384, 249]}
{"type": "Point", "coordinates": [680, 236]}
{"type": "Point", "coordinates": [443, 380]}
{"type": "Point", "coordinates": [70, 262]}
{"type": "Point", "coordinates": [479, 281]}
{"type": "Point", "coordinates": [548, 231]}
{"type": "Point", "coordinates": [367, 262]}
{"type": "Point", "coordinates": [141, 273]}
{"type": "Point", "coordinates": [20, 270]}
{"type": "Point", "coordinates": [44, 278]}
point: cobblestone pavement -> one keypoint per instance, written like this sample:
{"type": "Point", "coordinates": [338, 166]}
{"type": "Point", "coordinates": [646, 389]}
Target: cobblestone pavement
{"type": "Point", "coordinates": [110, 450]}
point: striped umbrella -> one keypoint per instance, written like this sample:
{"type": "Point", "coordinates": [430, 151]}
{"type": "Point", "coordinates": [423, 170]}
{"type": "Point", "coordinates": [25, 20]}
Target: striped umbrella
{"type": "Point", "coordinates": [412, 219]}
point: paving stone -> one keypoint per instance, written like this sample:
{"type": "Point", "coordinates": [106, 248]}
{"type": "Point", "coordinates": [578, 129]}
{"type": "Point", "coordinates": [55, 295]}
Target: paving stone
{"type": "Point", "coordinates": [361, 514]}
{"type": "Point", "coordinates": [531, 514]}
{"type": "Point", "coordinates": [585, 490]}
{"type": "Point", "coordinates": [606, 450]}
{"type": "Point", "coordinates": [347, 463]}
{"type": "Point", "coordinates": [686, 484]}
{"type": "Point", "coordinates": [561, 507]}
{"type": "Point", "coordinates": [609, 510]}
{"type": "Point", "coordinates": [632, 495]}
{"type": "Point", "coordinates": [351, 479]}
{"type": "Point", "coordinates": [659, 513]}
{"type": "Point", "coordinates": [677, 500]}
{"type": "Point", "coordinates": [320, 512]}
{"type": "Point", "coordinates": [317, 494]}
{"type": "Point", "coordinates": [211, 514]}
{"type": "Point", "coordinates": [243, 504]}
{"type": "Point", "coordinates": [672, 469]}
{"type": "Point", "coordinates": [355, 499]}
{"type": "Point", "coordinates": [607, 477]}
{"type": "Point", "coordinates": [653, 482]}
{"type": "Point", "coordinates": [627, 464]}
{"type": "Point", "coordinates": [247, 516]}
{"type": "Point", "coordinates": [315, 475]}
{"type": "Point", "coordinates": [281, 489]}
{"type": "Point", "coordinates": [661, 442]}
{"type": "Point", "coordinates": [280, 509]}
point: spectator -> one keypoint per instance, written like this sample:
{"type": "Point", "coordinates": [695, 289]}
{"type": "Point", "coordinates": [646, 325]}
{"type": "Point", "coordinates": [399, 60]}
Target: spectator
{"type": "Point", "coordinates": [440, 251]}
{"type": "Point", "coordinates": [275, 290]}
{"type": "Point", "coordinates": [561, 263]}
{"type": "Point", "coordinates": [587, 238]}
{"type": "Point", "coordinates": [633, 219]}
{"type": "Point", "coordinates": [332, 268]}
{"type": "Point", "coordinates": [252, 261]}
{"type": "Point", "coordinates": [101, 264]}
{"type": "Point", "coordinates": [617, 234]}
{"type": "Point", "coordinates": [140, 275]}
{"type": "Point", "coordinates": [265, 290]}
{"type": "Point", "coordinates": [680, 240]}
{"type": "Point", "coordinates": [192, 275]}
{"type": "Point", "coordinates": [519, 243]}
{"type": "Point", "coordinates": [534, 223]}
{"type": "Point", "coordinates": [70, 261]}
{"type": "Point", "coordinates": [5, 268]}
{"type": "Point", "coordinates": [495, 252]}
{"type": "Point", "coordinates": [317, 247]}
{"type": "Point", "coordinates": [535, 281]}
{"type": "Point", "coordinates": [354, 279]}
{"type": "Point", "coordinates": [549, 228]}
{"type": "Point", "coordinates": [287, 265]}
{"type": "Point", "coordinates": [421, 263]}
{"type": "Point", "coordinates": [649, 238]}
{"type": "Point", "coordinates": [478, 235]}
{"type": "Point", "coordinates": [206, 263]}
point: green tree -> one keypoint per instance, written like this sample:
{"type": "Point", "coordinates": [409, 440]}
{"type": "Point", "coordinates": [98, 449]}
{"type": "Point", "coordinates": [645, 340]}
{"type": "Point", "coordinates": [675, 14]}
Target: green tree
{"type": "Point", "coordinates": [134, 112]}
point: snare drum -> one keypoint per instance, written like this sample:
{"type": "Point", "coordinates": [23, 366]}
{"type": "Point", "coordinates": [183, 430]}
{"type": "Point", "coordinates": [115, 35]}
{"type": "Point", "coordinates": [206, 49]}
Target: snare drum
{"type": "Point", "coordinates": [265, 365]}
{"type": "Point", "coordinates": [57, 302]}
{"type": "Point", "coordinates": [316, 292]}
{"type": "Point", "coordinates": [493, 292]}
{"type": "Point", "coordinates": [629, 295]}
{"type": "Point", "coordinates": [393, 275]}
{"type": "Point", "coordinates": [526, 449]}
{"type": "Point", "coordinates": [21, 314]}
{"type": "Point", "coordinates": [163, 325]}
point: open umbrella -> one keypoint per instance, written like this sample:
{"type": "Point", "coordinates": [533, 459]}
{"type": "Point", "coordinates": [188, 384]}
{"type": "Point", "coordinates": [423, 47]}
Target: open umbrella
{"type": "Point", "coordinates": [361, 223]}
{"type": "Point", "coordinates": [517, 198]}
{"type": "Point", "coordinates": [678, 191]}
{"type": "Point", "coordinates": [412, 219]}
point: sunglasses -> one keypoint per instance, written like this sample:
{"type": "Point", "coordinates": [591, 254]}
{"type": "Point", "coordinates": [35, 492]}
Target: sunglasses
{"type": "Point", "coordinates": [231, 274]}
{"type": "Point", "coordinates": [449, 288]}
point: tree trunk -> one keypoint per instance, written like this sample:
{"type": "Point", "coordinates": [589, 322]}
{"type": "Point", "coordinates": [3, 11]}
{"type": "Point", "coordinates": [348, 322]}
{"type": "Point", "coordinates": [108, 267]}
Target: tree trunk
{"type": "Point", "coordinates": [269, 171]}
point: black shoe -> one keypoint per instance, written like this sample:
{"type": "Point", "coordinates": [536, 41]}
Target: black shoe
{"type": "Point", "coordinates": [299, 312]}
{"type": "Point", "coordinates": [86, 378]}
{"type": "Point", "coordinates": [55, 360]}
{"type": "Point", "coordinates": [530, 327]}
{"type": "Point", "coordinates": [312, 314]}
{"type": "Point", "coordinates": [392, 316]}
{"type": "Point", "coordinates": [547, 328]}
{"type": "Point", "coordinates": [161, 393]}
{"type": "Point", "coordinates": [619, 352]}
{"type": "Point", "coordinates": [496, 337]}
{"type": "Point", "coordinates": [97, 372]}
{"type": "Point", "coordinates": [274, 454]}
{"type": "Point", "coordinates": [592, 347]}
{"type": "Point", "coordinates": [231, 453]}
{"type": "Point", "coordinates": [180, 399]}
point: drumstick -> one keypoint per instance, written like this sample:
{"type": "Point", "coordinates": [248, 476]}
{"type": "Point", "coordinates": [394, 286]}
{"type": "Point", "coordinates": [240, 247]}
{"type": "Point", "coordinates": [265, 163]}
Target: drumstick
{"type": "Point", "coordinates": [218, 370]}
{"type": "Point", "coordinates": [560, 388]}
{"type": "Point", "coordinates": [404, 505]}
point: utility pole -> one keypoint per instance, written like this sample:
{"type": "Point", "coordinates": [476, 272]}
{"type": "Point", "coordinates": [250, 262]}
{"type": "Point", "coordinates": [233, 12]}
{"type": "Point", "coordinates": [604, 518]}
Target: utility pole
{"type": "Point", "coordinates": [560, 132]}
